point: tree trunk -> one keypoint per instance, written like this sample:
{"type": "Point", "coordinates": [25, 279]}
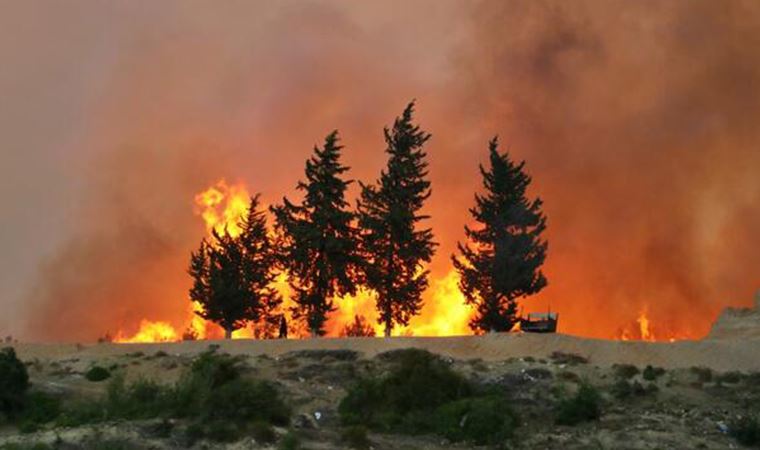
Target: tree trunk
{"type": "Point", "coordinates": [228, 333]}
{"type": "Point", "coordinates": [388, 330]}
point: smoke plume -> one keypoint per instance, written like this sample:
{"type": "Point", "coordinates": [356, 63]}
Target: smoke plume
{"type": "Point", "coordinates": [637, 121]}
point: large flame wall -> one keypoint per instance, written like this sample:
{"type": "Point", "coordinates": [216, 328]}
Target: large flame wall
{"type": "Point", "coordinates": [638, 122]}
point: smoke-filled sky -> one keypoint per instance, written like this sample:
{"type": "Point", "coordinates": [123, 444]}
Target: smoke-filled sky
{"type": "Point", "coordinates": [638, 122]}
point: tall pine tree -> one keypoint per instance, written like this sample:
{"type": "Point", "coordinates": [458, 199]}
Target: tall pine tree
{"type": "Point", "coordinates": [319, 240]}
{"type": "Point", "coordinates": [233, 275]}
{"type": "Point", "coordinates": [504, 262]}
{"type": "Point", "coordinates": [395, 251]}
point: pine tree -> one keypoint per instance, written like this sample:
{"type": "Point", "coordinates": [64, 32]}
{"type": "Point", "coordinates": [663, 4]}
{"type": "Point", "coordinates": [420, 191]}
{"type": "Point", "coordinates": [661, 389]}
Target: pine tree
{"type": "Point", "coordinates": [394, 249]}
{"type": "Point", "coordinates": [233, 275]}
{"type": "Point", "coordinates": [319, 240]}
{"type": "Point", "coordinates": [504, 262]}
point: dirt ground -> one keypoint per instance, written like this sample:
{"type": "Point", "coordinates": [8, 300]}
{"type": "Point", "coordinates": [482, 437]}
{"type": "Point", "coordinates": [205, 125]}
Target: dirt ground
{"type": "Point", "coordinates": [681, 409]}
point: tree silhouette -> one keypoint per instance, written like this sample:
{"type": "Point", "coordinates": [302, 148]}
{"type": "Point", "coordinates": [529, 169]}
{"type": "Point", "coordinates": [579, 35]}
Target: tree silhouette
{"type": "Point", "coordinates": [358, 328]}
{"type": "Point", "coordinates": [318, 238]}
{"type": "Point", "coordinates": [394, 249]}
{"type": "Point", "coordinates": [233, 275]}
{"type": "Point", "coordinates": [504, 262]}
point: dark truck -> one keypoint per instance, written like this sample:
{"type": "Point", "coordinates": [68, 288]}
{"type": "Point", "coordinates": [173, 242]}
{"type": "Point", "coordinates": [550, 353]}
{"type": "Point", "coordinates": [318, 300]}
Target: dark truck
{"type": "Point", "coordinates": [540, 323]}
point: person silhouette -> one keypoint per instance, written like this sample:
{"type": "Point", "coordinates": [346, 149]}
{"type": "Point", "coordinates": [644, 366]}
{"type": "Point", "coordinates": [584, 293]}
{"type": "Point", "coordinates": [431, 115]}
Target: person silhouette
{"type": "Point", "coordinates": [283, 327]}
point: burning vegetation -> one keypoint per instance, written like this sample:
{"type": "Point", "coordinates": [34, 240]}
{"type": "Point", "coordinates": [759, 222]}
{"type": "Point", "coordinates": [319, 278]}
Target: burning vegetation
{"type": "Point", "coordinates": [324, 268]}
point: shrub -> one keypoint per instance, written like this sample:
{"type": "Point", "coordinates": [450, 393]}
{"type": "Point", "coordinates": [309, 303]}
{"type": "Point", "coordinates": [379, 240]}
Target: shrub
{"type": "Point", "coordinates": [246, 400]}
{"type": "Point", "coordinates": [289, 442]}
{"type": "Point", "coordinates": [194, 433]}
{"type": "Point", "coordinates": [141, 399]}
{"type": "Point", "coordinates": [422, 394]}
{"type": "Point", "coordinates": [571, 359]}
{"type": "Point", "coordinates": [625, 371]}
{"type": "Point", "coordinates": [14, 382]}
{"type": "Point", "coordinates": [207, 372]}
{"type": "Point", "coordinates": [583, 407]}
{"type": "Point", "coordinates": [746, 431]}
{"type": "Point", "coordinates": [652, 373]}
{"type": "Point", "coordinates": [162, 429]}
{"type": "Point", "coordinates": [97, 373]}
{"type": "Point", "coordinates": [567, 375]}
{"type": "Point", "coordinates": [82, 412]}
{"type": "Point", "coordinates": [338, 355]}
{"type": "Point", "coordinates": [418, 381]}
{"type": "Point", "coordinates": [481, 420]}
{"type": "Point", "coordinates": [27, 446]}
{"type": "Point", "coordinates": [211, 391]}
{"type": "Point", "coordinates": [355, 437]}
{"type": "Point", "coordinates": [214, 369]}
{"type": "Point", "coordinates": [222, 431]}
{"type": "Point", "coordinates": [40, 408]}
{"type": "Point", "coordinates": [623, 389]}
{"type": "Point", "coordinates": [704, 374]}
{"type": "Point", "coordinates": [263, 432]}
{"type": "Point", "coordinates": [730, 377]}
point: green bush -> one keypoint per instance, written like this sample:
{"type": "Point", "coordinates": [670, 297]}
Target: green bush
{"type": "Point", "coordinates": [422, 394]}
{"type": "Point", "coordinates": [730, 377]}
{"type": "Point", "coordinates": [211, 392]}
{"type": "Point", "coordinates": [142, 399]}
{"type": "Point", "coordinates": [652, 373]}
{"type": "Point", "coordinates": [289, 442]}
{"type": "Point", "coordinates": [40, 408]}
{"type": "Point", "coordinates": [623, 389]}
{"type": "Point", "coordinates": [481, 420]}
{"type": "Point", "coordinates": [222, 431]}
{"type": "Point", "coordinates": [246, 400]}
{"type": "Point", "coordinates": [14, 382]}
{"type": "Point", "coordinates": [263, 432]}
{"type": "Point", "coordinates": [418, 381]}
{"type": "Point", "coordinates": [215, 369]}
{"type": "Point", "coordinates": [704, 374]}
{"type": "Point", "coordinates": [194, 433]}
{"type": "Point", "coordinates": [583, 407]}
{"type": "Point", "coordinates": [571, 359]}
{"type": "Point", "coordinates": [82, 412]}
{"type": "Point", "coordinates": [29, 446]}
{"type": "Point", "coordinates": [97, 373]}
{"type": "Point", "coordinates": [625, 371]}
{"type": "Point", "coordinates": [355, 437]}
{"type": "Point", "coordinates": [746, 431]}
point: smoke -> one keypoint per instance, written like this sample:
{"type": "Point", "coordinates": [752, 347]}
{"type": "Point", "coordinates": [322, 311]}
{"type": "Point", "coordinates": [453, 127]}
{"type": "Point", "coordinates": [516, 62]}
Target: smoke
{"type": "Point", "coordinates": [637, 121]}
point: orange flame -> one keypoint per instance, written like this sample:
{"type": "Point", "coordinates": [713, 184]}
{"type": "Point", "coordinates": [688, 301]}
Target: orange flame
{"type": "Point", "coordinates": [223, 205]}
{"type": "Point", "coordinates": [150, 332]}
{"type": "Point", "coordinates": [643, 321]}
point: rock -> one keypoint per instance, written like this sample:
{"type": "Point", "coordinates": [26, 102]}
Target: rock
{"type": "Point", "coordinates": [304, 422]}
{"type": "Point", "coordinates": [736, 323]}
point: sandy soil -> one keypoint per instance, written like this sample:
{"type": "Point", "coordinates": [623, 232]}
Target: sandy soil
{"type": "Point", "coordinates": [741, 353]}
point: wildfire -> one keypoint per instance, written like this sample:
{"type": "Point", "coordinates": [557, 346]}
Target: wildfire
{"type": "Point", "coordinates": [643, 321]}
{"type": "Point", "coordinates": [642, 329]}
{"type": "Point", "coordinates": [223, 205]}
{"type": "Point", "coordinates": [151, 332]}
